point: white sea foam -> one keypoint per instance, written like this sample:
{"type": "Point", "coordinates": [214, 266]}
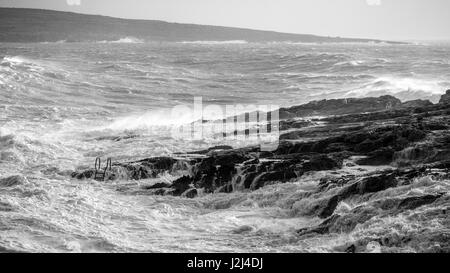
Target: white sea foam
{"type": "Point", "coordinates": [52, 126]}
{"type": "Point", "coordinates": [14, 60]}
{"type": "Point", "coordinates": [402, 88]}
{"type": "Point", "coordinates": [57, 42]}
{"type": "Point", "coordinates": [125, 40]}
{"type": "Point", "coordinates": [215, 42]}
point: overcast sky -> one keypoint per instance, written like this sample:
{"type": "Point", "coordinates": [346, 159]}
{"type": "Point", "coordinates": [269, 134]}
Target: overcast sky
{"type": "Point", "coordinates": [384, 19]}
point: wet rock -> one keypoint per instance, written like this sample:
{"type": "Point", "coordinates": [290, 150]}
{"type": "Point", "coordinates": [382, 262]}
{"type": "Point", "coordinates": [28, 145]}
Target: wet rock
{"type": "Point", "coordinates": [294, 124]}
{"type": "Point", "coordinates": [323, 228]}
{"type": "Point", "coordinates": [190, 193]}
{"type": "Point", "coordinates": [415, 154]}
{"type": "Point", "coordinates": [324, 207]}
{"type": "Point", "coordinates": [279, 176]}
{"type": "Point", "coordinates": [396, 137]}
{"type": "Point", "coordinates": [391, 133]}
{"type": "Point", "coordinates": [163, 191]}
{"type": "Point", "coordinates": [218, 169]}
{"type": "Point", "coordinates": [329, 206]}
{"type": "Point", "coordinates": [212, 149]}
{"type": "Point", "coordinates": [158, 164]}
{"type": "Point", "coordinates": [321, 163]}
{"type": "Point", "coordinates": [363, 213]}
{"type": "Point", "coordinates": [157, 186]}
{"type": "Point", "coordinates": [243, 229]}
{"type": "Point", "coordinates": [418, 201]}
{"type": "Point", "coordinates": [138, 172]}
{"type": "Point", "coordinates": [371, 184]}
{"type": "Point", "coordinates": [351, 249]}
{"type": "Point", "coordinates": [328, 183]}
{"type": "Point", "coordinates": [87, 174]}
{"type": "Point", "coordinates": [383, 156]}
{"type": "Point", "coordinates": [340, 106]}
{"type": "Point", "coordinates": [362, 142]}
{"type": "Point", "coordinates": [348, 222]}
{"type": "Point", "coordinates": [445, 99]}
{"type": "Point", "coordinates": [417, 103]}
{"type": "Point", "coordinates": [181, 185]}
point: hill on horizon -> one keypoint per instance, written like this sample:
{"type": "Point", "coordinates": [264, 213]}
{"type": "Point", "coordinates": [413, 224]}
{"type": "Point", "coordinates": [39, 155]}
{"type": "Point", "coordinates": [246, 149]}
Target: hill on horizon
{"type": "Point", "coordinates": [36, 25]}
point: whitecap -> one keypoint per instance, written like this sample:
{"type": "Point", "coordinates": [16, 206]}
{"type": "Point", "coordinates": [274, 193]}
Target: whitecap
{"type": "Point", "coordinates": [125, 40]}
{"type": "Point", "coordinates": [215, 42]}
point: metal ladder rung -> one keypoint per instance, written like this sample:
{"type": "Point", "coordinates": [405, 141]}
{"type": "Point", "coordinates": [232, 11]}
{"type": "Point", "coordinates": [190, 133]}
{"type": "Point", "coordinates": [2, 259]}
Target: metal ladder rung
{"type": "Point", "coordinates": [100, 175]}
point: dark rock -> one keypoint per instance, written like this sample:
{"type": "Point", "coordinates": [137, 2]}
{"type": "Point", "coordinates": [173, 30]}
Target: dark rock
{"type": "Point", "coordinates": [445, 99]}
{"type": "Point", "coordinates": [329, 207]}
{"type": "Point", "coordinates": [190, 193]}
{"type": "Point", "coordinates": [351, 249]}
{"type": "Point", "coordinates": [325, 207]}
{"type": "Point", "coordinates": [294, 124]}
{"type": "Point", "coordinates": [328, 183]}
{"type": "Point", "coordinates": [417, 103]}
{"type": "Point", "coordinates": [383, 156]}
{"type": "Point", "coordinates": [371, 184]}
{"type": "Point", "coordinates": [277, 176]}
{"type": "Point", "coordinates": [158, 163]}
{"type": "Point", "coordinates": [157, 186]}
{"type": "Point", "coordinates": [323, 228]}
{"type": "Point", "coordinates": [348, 222]}
{"type": "Point", "coordinates": [181, 185]}
{"type": "Point", "coordinates": [363, 142]}
{"type": "Point", "coordinates": [163, 191]}
{"type": "Point", "coordinates": [218, 169]}
{"type": "Point", "coordinates": [137, 172]}
{"type": "Point", "coordinates": [212, 149]}
{"type": "Point", "coordinates": [382, 136]}
{"type": "Point", "coordinates": [320, 163]}
{"type": "Point", "coordinates": [415, 154]}
{"type": "Point", "coordinates": [87, 174]}
{"type": "Point", "coordinates": [418, 201]}
{"type": "Point", "coordinates": [340, 107]}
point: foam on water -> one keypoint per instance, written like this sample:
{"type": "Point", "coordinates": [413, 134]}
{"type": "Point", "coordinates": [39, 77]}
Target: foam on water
{"type": "Point", "coordinates": [126, 40]}
{"type": "Point", "coordinates": [232, 42]}
{"type": "Point", "coordinates": [403, 88]}
{"type": "Point", "coordinates": [63, 104]}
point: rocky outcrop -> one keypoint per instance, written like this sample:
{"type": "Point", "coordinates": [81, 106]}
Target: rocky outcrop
{"type": "Point", "coordinates": [340, 107]}
{"type": "Point", "coordinates": [376, 131]}
{"type": "Point", "coordinates": [445, 99]}
{"type": "Point", "coordinates": [417, 104]}
{"type": "Point", "coordinates": [406, 145]}
{"type": "Point", "coordinates": [366, 141]}
{"type": "Point", "coordinates": [359, 215]}
{"type": "Point", "coordinates": [137, 170]}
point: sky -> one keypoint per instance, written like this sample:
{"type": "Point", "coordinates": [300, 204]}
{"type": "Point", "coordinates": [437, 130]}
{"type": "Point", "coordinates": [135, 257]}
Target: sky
{"type": "Point", "coordinates": [375, 19]}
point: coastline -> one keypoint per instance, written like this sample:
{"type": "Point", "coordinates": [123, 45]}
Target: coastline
{"type": "Point", "coordinates": [378, 161]}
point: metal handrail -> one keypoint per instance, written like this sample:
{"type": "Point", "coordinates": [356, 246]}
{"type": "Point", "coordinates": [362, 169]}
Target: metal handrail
{"type": "Point", "coordinates": [98, 175]}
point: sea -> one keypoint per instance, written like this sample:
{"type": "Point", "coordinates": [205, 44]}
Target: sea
{"type": "Point", "coordinates": [62, 105]}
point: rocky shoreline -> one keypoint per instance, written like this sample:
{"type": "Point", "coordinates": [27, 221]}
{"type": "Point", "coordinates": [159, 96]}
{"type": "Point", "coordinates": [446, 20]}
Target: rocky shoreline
{"type": "Point", "coordinates": [382, 159]}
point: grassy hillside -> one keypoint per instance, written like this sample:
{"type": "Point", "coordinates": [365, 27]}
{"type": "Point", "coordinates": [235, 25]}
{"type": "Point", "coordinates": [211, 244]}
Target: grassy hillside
{"type": "Point", "coordinates": [33, 25]}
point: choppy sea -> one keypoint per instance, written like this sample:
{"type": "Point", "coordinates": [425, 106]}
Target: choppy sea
{"type": "Point", "coordinates": [64, 104]}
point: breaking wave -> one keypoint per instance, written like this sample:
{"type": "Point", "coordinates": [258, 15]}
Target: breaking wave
{"type": "Point", "coordinates": [402, 88]}
{"type": "Point", "coordinates": [61, 106]}
{"type": "Point", "coordinates": [125, 40]}
{"type": "Point", "coordinates": [232, 42]}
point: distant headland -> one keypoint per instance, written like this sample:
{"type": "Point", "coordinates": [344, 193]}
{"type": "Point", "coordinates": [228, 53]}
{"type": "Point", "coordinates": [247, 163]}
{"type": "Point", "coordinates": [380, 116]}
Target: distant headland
{"type": "Point", "coordinates": [36, 25]}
